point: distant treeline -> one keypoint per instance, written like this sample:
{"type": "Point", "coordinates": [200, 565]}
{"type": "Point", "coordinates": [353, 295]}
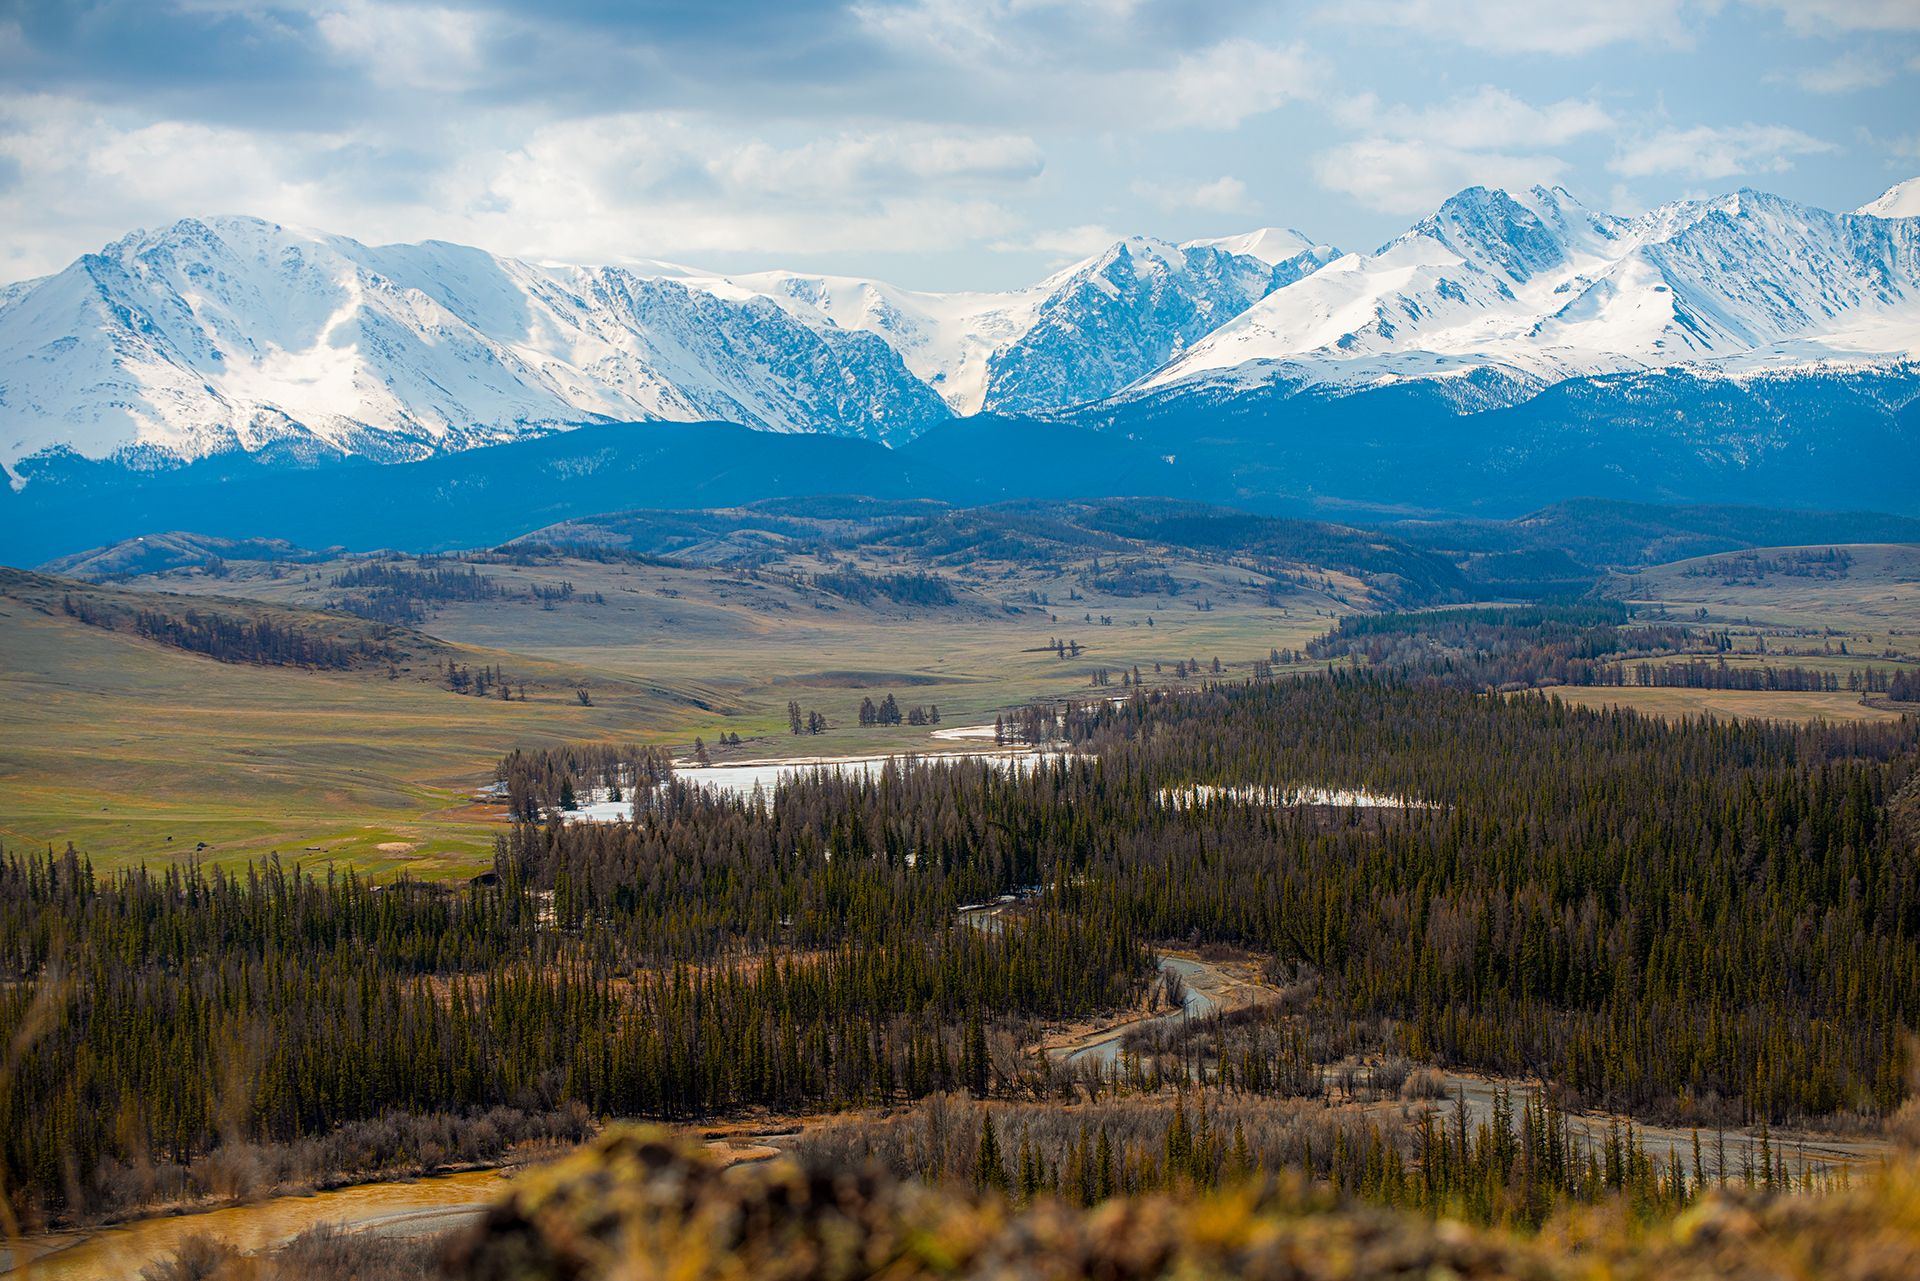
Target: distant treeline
{"type": "Point", "coordinates": [1395, 570]}
{"type": "Point", "coordinates": [538, 783]}
{"type": "Point", "coordinates": [888, 712]}
{"type": "Point", "coordinates": [1515, 1165]}
{"type": "Point", "coordinates": [1834, 562]}
{"type": "Point", "coordinates": [1132, 578]}
{"type": "Point", "coordinates": [1720, 674]}
{"type": "Point", "coordinates": [1500, 647]}
{"type": "Point", "coordinates": [533, 553]}
{"type": "Point", "coordinates": [901, 589]}
{"type": "Point", "coordinates": [234, 636]}
{"type": "Point", "coordinates": [1573, 643]}
{"type": "Point", "coordinates": [392, 594]}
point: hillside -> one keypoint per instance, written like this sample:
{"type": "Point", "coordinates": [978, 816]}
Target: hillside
{"type": "Point", "coordinates": [175, 549]}
{"type": "Point", "coordinates": [1874, 586]}
{"type": "Point", "coordinates": [138, 750]}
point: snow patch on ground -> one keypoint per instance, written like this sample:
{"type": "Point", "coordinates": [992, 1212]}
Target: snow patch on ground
{"type": "Point", "coordinates": [1196, 794]}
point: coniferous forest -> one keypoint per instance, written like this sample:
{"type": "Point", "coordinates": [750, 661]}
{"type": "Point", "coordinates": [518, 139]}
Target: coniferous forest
{"type": "Point", "coordinates": [1706, 921]}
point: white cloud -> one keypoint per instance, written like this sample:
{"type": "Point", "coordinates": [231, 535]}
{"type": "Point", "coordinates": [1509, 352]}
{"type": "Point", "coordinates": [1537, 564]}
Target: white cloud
{"type": "Point", "coordinates": [645, 185]}
{"type": "Point", "coordinates": [1821, 16]}
{"type": "Point", "coordinates": [1488, 119]}
{"type": "Point", "coordinates": [1225, 194]}
{"type": "Point", "coordinates": [851, 163]}
{"type": "Point", "coordinates": [1411, 176]}
{"type": "Point", "coordinates": [1219, 87]}
{"type": "Point", "coordinates": [80, 172]}
{"type": "Point", "coordinates": [1707, 152]}
{"type": "Point", "coordinates": [1524, 26]}
{"type": "Point", "coordinates": [1410, 159]}
{"type": "Point", "coordinates": [957, 31]}
{"type": "Point", "coordinates": [1849, 72]}
{"type": "Point", "coordinates": [410, 47]}
{"type": "Point", "coordinates": [604, 189]}
{"type": "Point", "coordinates": [1063, 244]}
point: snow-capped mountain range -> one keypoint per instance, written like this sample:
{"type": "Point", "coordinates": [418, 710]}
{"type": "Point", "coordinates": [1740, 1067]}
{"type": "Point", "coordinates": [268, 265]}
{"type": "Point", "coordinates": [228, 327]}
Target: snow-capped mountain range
{"type": "Point", "coordinates": [1077, 336]}
{"type": "Point", "coordinates": [223, 334]}
{"type": "Point", "coordinates": [1538, 288]}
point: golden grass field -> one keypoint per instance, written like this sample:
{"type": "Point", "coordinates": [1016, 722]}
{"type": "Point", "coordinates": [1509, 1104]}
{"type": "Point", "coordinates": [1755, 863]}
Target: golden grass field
{"type": "Point", "coordinates": [139, 753]}
{"type": "Point", "coordinates": [1770, 705]}
{"type": "Point", "coordinates": [1876, 604]}
{"type": "Point", "coordinates": [136, 752]}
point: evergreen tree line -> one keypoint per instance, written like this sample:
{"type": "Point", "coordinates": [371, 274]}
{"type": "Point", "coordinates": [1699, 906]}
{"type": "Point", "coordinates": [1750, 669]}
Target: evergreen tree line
{"type": "Point", "coordinates": [391, 593]}
{"type": "Point", "coordinates": [1707, 919]}
{"type": "Point", "coordinates": [886, 712]}
{"type": "Point", "coordinates": [232, 636]}
{"type": "Point", "coordinates": [1833, 562]}
{"type": "Point", "coordinates": [159, 1016]}
{"type": "Point", "coordinates": [1502, 647]}
{"type": "Point", "coordinates": [902, 589]}
{"type": "Point", "coordinates": [537, 783]}
{"type": "Point", "coordinates": [1512, 1165]}
{"type": "Point", "coordinates": [1576, 643]}
{"type": "Point", "coordinates": [1700, 674]}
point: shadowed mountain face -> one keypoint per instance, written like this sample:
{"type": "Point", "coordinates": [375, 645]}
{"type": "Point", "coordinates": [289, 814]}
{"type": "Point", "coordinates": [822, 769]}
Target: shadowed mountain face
{"type": "Point", "coordinates": [1259, 454]}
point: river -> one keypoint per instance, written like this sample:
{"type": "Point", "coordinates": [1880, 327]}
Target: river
{"type": "Point", "coordinates": [414, 1206]}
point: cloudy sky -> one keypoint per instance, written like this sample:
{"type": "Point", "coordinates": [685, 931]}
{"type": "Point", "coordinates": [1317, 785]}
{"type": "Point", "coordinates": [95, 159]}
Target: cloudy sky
{"type": "Point", "coordinates": [939, 143]}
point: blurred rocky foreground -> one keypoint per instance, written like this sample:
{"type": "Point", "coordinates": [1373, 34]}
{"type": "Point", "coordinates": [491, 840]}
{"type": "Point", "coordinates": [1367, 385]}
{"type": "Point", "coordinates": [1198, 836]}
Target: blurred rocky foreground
{"type": "Point", "coordinates": [639, 1205]}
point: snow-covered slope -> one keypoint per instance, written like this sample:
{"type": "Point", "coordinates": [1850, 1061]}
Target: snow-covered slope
{"type": "Point", "coordinates": [1271, 245]}
{"type": "Point", "coordinates": [232, 333]}
{"type": "Point", "coordinates": [1077, 336]}
{"type": "Point", "coordinates": [1901, 200]}
{"type": "Point", "coordinates": [1526, 289]}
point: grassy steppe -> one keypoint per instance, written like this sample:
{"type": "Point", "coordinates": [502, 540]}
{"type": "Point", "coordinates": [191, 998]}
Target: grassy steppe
{"type": "Point", "coordinates": [118, 744]}
{"type": "Point", "coordinates": [138, 753]}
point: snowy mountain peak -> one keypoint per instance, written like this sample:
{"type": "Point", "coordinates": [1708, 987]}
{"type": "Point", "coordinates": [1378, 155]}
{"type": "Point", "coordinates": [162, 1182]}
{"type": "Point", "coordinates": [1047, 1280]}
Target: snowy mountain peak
{"type": "Point", "coordinates": [232, 333]}
{"type": "Point", "coordinates": [1079, 335]}
{"type": "Point", "coordinates": [1271, 245]}
{"type": "Point", "coordinates": [1901, 200]}
{"type": "Point", "coordinates": [1495, 230]}
{"type": "Point", "coordinates": [1537, 288]}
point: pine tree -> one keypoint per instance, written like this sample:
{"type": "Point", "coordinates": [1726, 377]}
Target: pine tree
{"type": "Point", "coordinates": [989, 1169]}
{"type": "Point", "coordinates": [1104, 1185]}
